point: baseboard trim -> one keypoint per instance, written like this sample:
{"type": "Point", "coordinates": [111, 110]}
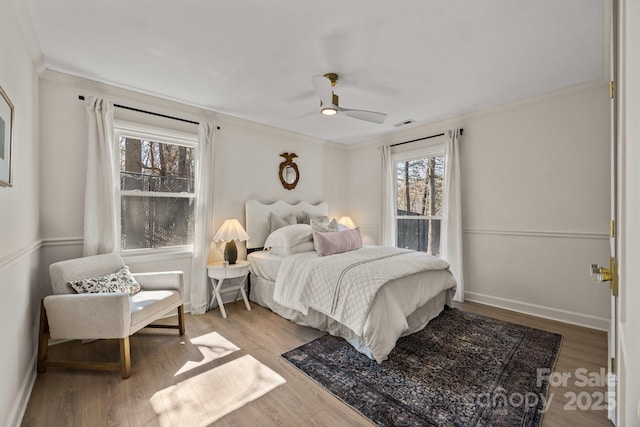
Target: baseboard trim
{"type": "Point", "coordinates": [538, 233]}
{"type": "Point", "coordinates": [573, 318]}
{"type": "Point", "coordinates": [22, 400]}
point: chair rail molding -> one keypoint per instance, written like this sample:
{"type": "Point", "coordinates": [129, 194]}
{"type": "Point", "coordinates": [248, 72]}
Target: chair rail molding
{"type": "Point", "coordinates": [19, 254]}
{"type": "Point", "coordinates": [538, 233]}
{"type": "Point", "coordinates": [62, 241]}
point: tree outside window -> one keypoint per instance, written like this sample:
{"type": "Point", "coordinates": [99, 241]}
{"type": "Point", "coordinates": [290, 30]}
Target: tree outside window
{"type": "Point", "coordinates": [419, 186]}
{"type": "Point", "coordinates": [157, 196]}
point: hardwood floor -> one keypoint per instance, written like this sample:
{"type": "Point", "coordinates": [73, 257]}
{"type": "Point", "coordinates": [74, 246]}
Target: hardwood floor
{"type": "Point", "coordinates": [582, 349]}
{"type": "Point", "coordinates": [229, 372]}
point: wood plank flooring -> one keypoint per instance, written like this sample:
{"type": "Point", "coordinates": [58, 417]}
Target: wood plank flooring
{"type": "Point", "coordinates": [192, 380]}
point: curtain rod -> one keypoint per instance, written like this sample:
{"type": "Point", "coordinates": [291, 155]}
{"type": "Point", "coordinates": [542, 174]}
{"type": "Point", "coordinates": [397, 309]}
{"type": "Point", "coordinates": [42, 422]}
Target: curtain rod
{"type": "Point", "coordinates": [81, 98]}
{"type": "Point", "coordinates": [422, 139]}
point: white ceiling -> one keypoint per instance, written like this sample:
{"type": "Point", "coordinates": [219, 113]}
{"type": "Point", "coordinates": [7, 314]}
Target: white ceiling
{"type": "Point", "coordinates": [413, 59]}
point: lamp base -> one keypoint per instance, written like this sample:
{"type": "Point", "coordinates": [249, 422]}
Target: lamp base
{"type": "Point", "coordinates": [231, 252]}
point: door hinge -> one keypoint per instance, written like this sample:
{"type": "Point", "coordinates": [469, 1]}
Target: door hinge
{"type": "Point", "coordinates": [611, 89]}
{"type": "Point", "coordinates": [613, 228]}
{"type": "Point", "coordinates": [613, 266]}
{"type": "Point", "coordinates": [613, 365]}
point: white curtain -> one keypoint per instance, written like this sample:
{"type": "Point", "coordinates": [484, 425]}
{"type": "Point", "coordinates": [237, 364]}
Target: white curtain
{"type": "Point", "coordinates": [100, 230]}
{"type": "Point", "coordinates": [451, 232]}
{"type": "Point", "coordinates": [388, 226]}
{"type": "Point", "coordinates": [203, 217]}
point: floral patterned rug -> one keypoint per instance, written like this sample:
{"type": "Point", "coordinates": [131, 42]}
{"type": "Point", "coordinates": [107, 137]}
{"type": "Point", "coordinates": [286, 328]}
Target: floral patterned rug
{"type": "Point", "coordinates": [463, 369]}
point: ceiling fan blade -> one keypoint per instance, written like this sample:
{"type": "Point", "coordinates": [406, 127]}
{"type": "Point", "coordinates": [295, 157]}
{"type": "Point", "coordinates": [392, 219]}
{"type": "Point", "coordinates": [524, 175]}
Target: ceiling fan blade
{"type": "Point", "coordinates": [369, 116]}
{"type": "Point", "coordinates": [322, 86]}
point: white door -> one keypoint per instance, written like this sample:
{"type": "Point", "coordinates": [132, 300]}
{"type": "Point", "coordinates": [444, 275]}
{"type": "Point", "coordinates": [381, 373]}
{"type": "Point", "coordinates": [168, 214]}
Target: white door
{"type": "Point", "coordinates": [609, 274]}
{"type": "Point", "coordinates": [613, 268]}
{"type": "Point", "coordinates": [627, 97]}
{"type": "Point", "coordinates": [615, 220]}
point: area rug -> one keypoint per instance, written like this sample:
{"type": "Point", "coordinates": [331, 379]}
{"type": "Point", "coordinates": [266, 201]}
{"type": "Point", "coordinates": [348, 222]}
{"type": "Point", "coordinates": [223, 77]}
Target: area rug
{"type": "Point", "coordinates": [463, 369]}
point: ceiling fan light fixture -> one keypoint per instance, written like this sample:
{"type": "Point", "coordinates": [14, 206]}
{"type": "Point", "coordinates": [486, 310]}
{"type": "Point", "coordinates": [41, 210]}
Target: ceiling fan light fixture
{"type": "Point", "coordinates": [329, 111]}
{"type": "Point", "coordinates": [330, 105]}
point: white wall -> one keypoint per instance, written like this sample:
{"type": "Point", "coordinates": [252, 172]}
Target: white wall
{"type": "Point", "coordinates": [246, 165]}
{"type": "Point", "coordinates": [535, 195]}
{"type": "Point", "coordinates": [19, 228]}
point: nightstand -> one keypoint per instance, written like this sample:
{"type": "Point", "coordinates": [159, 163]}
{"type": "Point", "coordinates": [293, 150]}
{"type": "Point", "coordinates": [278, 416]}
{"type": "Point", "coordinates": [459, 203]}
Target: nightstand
{"type": "Point", "coordinates": [218, 274]}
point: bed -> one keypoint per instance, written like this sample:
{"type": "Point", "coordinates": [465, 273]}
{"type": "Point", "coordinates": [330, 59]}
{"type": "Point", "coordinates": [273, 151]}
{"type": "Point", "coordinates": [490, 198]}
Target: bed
{"type": "Point", "coordinates": [373, 304]}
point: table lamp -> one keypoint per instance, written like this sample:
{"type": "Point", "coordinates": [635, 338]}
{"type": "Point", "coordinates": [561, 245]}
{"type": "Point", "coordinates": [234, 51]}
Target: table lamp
{"type": "Point", "coordinates": [230, 231]}
{"type": "Point", "coordinates": [347, 222]}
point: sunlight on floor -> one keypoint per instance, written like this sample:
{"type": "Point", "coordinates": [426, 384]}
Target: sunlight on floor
{"type": "Point", "coordinates": [207, 397]}
{"type": "Point", "coordinates": [212, 346]}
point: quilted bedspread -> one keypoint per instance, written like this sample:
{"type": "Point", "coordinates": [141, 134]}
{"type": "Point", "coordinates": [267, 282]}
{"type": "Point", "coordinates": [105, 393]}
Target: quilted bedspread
{"type": "Point", "coordinates": [343, 286]}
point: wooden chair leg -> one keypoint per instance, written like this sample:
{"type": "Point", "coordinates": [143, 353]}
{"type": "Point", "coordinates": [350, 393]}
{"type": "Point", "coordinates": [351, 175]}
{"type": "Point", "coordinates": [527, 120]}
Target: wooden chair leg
{"type": "Point", "coordinates": [181, 319]}
{"type": "Point", "coordinates": [43, 340]}
{"type": "Point", "coordinates": [125, 357]}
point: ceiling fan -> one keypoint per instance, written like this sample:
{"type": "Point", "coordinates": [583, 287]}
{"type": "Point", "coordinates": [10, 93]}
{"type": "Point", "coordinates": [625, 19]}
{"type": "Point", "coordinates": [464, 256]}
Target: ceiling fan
{"type": "Point", "coordinates": [329, 101]}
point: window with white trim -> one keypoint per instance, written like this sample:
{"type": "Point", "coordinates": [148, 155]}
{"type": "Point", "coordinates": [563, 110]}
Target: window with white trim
{"type": "Point", "coordinates": [419, 192]}
{"type": "Point", "coordinates": [157, 187]}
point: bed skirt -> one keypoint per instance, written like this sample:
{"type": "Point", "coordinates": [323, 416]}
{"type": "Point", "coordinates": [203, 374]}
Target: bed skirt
{"type": "Point", "coordinates": [370, 344]}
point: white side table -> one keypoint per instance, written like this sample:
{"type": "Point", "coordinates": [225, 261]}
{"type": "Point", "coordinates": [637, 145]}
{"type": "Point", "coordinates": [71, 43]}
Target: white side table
{"type": "Point", "coordinates": [218, 273]}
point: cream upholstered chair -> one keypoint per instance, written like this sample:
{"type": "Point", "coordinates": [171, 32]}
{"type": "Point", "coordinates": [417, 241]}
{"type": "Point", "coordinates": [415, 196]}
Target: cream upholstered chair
{"type": "Point", "coordinates": [70, 315]}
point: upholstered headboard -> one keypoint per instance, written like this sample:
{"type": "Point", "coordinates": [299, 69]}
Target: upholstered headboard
{"type": "Point", "coordinates": [257, 217]}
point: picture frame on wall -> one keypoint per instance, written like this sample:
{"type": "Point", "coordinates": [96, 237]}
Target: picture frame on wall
{"type": "Point", "coordinates": [6, 140]}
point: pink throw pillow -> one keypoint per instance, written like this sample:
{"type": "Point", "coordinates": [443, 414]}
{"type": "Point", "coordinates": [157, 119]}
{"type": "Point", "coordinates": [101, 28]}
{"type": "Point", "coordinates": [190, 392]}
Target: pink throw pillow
{"type": "Point", "coordinates": [336, 242]}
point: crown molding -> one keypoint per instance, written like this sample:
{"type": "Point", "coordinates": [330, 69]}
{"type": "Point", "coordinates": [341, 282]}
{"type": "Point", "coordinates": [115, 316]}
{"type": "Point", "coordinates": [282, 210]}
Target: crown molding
{"type": "Point", "coordinates": [248, 124]}
{"type": "Point", "coordinates": [195, 112]}
{"type": "Point", "coordinates": [420, 130]}
{"type": "Point", "coordinates": [132, 97]}
{"type": "Point", "coordinates": [165, 105]}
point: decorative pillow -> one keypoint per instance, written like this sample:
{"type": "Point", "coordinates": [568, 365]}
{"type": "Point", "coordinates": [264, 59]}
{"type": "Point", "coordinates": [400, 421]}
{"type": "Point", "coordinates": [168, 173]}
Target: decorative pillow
{"type": "Point", "coordinates": [289, 236]}
{"type": "Point", "coordinates": [120, 281]}
{"type": "Point", "coordinates": [337, 242]}
{"type": "Point", "coordinates": [324, 226]}
{"type": "Point", "coordinates": [276, 221]}
{"type": "Point", "coordinates": [299, 248]}
{"type": "Point", "coordinates": [307, 217]}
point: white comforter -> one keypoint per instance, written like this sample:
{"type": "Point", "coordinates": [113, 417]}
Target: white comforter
{"type": "Point", "coordinates": [343, 286]}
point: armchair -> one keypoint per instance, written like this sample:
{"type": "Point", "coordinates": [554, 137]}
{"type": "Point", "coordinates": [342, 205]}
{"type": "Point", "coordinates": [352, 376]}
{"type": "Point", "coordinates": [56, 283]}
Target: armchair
{"type": "Point", "coordinates": [69, 315]}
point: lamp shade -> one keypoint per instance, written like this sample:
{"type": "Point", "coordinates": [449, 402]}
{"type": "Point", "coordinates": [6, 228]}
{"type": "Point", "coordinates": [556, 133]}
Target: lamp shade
{"type": "Point", "coordinates": [346, 221]}
{"type": "Point", "coordinates": [230, 230]}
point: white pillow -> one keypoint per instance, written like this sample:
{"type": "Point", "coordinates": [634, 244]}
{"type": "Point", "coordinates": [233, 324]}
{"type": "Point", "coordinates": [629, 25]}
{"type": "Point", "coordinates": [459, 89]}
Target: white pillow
{"type": "Point", "coordinates": [289, 236]}
{"type": "Point", "coordinates": [299, 248]}
{"type": "Point", "coordinates": [324, 226]}
{"type": "Point", "coordinates": [307, 217]}
{"type": "Point", "coordinates": [276, 221]}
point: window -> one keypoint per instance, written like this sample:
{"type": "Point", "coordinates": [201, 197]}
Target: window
{"type": "Point", "coordinates": [419, 192]}
{"type": "Point", "coordinates": [157, 188]}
